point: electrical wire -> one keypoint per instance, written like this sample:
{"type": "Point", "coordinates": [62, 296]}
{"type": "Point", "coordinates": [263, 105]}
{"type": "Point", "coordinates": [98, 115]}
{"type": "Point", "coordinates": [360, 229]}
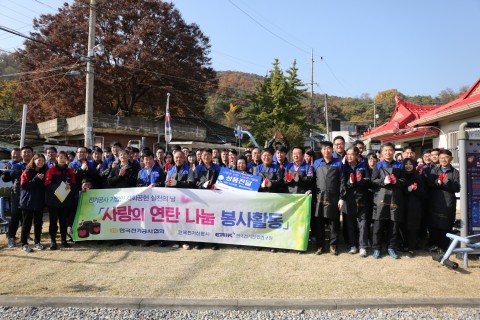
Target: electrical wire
{"type": "Point", "coordinates": [38, 71]}
{"type": "Point", "coordinates": [38, 102]}
{"type": "Point", "coordinates": [12, 31]}
{"type": "Point", "coordinates": [266, 29]}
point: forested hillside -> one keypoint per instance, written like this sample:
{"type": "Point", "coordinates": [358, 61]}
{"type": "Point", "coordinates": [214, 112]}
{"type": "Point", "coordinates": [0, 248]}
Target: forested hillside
{"type": "Point", "coordinates": [235, 87]}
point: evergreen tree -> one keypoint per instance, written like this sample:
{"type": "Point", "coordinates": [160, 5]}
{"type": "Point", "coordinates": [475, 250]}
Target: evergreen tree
{"type": "Point", "coordinates": [276, 106]}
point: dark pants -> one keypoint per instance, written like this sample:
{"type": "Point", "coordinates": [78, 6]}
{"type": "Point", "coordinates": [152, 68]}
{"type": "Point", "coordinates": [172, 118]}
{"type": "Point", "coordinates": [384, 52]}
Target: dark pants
{"type": "Point", "coordinates": [28, 217]}
{"type": "Point", "coordinates": [320, 229]}
{"type": "Point", "coordinates": [58, 215]}
{"type": "Point", "coordinates": [379, 227]}
{"type": "Point", "coordinates": [364, 232]}
{"type": "Point", "coordinates": [411, 242]}
{"type": "Point", "coordinates": [350, 224]}
{"type": "Point", "coordinates": [72, 213]}
{"type": "Point", "coordinates": [16, 215]}
{"type": "Point", "coordinates": [438, 237]}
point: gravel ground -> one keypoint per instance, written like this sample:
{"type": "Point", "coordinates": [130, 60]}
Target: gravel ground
{"type": "Point", "coordinates": [100, 313]}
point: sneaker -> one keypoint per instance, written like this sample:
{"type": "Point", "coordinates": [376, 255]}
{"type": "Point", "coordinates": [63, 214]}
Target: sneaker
{"type": "Point", "coordinates": [176, 246]}
{"type": "Point", "coordinates": [39, 246]}
{"type": "Point", "coordinates": [11, 243]}
{"type": "Point", "coordinates": [273, 250]}
{"type": "Point", "coordinates": [410, 254]}
{"type": "Point", "coordinates": [163, 244]}
{"type": "Point", "coordinates": [333, 250]}
{"type": "Point", "coordinates": [53, 246]}
{"type": "Point", "coordinates": [214, 247]}
{"type": "Point", "coordinates": [65, 245]}
{"type": "Point", "coordinates": [27, 248]}
{"type": "Point", "coordinates": [376, 254]}
{"type": "Point", "coordinates": [363, 253]}
{"type": "Point", "coordinates": [319, 251]}
{"type": "Point", "coordinates": [392, 253]}
{"type": "Point", "coordinates": [198, 247]}
{"type": "Point", "coordinates": [186, 246]}
{"type": "Point", "coordinates": [353, 250]}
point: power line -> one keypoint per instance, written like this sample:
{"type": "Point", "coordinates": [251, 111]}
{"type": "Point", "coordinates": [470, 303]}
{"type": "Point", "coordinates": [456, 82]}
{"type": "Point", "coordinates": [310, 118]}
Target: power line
{"type": "Point", "coordinates": [24, 7]}
{"type": "Point", "coordinates": [266, 29]}
{"type": "Point", "coordinates": [38, 103]}
{"type": "Point", "coordinates": [17, 12]}
{"type": "Point", "coordinates": [45, 5]}
{"type": "Point", "coordinates": [336, 78]}
{"type": "Point", "coordinates": [12, 31]}
{"type": "Point", "coordinates": [37, 71]}
{"type": "Point", "coordinates": [1, 14]}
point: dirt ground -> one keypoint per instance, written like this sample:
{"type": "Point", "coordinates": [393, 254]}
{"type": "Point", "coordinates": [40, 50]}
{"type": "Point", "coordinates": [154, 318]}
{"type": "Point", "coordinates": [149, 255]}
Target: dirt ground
{"type": "Point", "coordinates": [97, 269]}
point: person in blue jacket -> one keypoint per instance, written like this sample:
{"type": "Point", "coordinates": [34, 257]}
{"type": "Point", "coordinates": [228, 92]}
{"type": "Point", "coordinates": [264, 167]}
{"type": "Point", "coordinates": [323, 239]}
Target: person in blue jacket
{"type": "Point", "coordinates": [329, 190]}
{"type": "Point", "coordinates": [32, 201]}
{"type": "Point", "coordinates": [354, 172]}
{"type": "Point", "coordinates": [206, 175]}
{"type": "Point", "coordinates": [15, 174]}
{"type": "Point", "coordinates": [388, 179]}
{"type": "Point", "coordinates": [151, 175]}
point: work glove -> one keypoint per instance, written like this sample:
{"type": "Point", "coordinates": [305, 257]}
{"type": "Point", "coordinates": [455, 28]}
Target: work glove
{"type": "Point", "coordinates": [412, 187]}
{"type": "Point", "coordinates": [288, 177]}
{"type": "Point", "coordinates": [359, 176]}
{"type": "Point", "coordinates": [419, 168]}
{"type": "Point", "coordinates": [266, 183]}
{"type": "Point", "coordinates": [295, 176]}
{"type": "Point", "coordinates": [387, 180]}
{"type": "Point", "coordinates": [442, 178]}
{"type": "Point", "coordinates": [393, 179]}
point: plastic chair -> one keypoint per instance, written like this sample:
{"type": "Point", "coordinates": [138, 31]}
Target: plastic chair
{"type": "Point", "coordinates": [472, 245]}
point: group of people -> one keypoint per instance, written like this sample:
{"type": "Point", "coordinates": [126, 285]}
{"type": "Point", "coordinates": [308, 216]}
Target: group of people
{"type": "Point", "coordinates": [379, 200]}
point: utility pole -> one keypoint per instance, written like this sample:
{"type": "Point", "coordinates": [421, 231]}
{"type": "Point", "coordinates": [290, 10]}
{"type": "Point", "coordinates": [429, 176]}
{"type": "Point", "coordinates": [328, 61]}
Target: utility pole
{"type": "Point", "coordinates": [88, 133]}
{"type": "Point", "coordinates": [374, 113]}
{"type": "Point", "coordinates": [24, 124]}
{"type": "Point", "coordinates": [326, 114]}
{"type": "Point", "coordinates": [311, 76]}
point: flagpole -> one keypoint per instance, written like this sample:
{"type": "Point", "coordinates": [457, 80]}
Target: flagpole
{"type": "Point", "coordinates": [168, 128]}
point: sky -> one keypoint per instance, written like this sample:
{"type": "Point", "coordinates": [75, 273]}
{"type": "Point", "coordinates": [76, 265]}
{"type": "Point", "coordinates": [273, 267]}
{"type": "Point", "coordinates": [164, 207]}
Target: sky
{"type": "Point", "coordinates": [417, 47]}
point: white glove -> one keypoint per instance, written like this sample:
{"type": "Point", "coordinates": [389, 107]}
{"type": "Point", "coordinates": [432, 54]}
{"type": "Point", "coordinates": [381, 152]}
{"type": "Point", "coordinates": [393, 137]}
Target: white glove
{"type": "Point", "coordinates": [387, 180]}
{"type": "Point", "coordinates": [340, 204]}
{"type": "Point", "coordinates": [206, 184]}
{"type": "Point", "coordinates": [266, 183]}
{"type": "Point", "coordinates": [172, 182]}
